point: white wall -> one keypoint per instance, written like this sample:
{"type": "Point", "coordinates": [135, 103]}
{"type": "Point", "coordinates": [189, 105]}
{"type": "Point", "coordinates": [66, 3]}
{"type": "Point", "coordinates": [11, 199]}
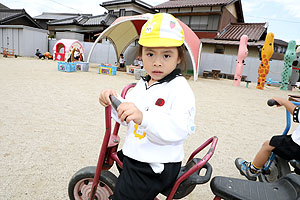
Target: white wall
{"type": "Point", "coordinates": [9, 38]}
{"type": "Point", "coordinates": [69, 35]}
{"type": "Point", "coordinates": [32, 40]}
{"type": "Point", "coordinates": [25, 40]}
{"type": "Point", "coordinates": [227, 64]}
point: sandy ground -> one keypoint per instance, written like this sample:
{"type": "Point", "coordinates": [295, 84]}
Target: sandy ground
{"type": "Point", "coordinates": [51, 125]}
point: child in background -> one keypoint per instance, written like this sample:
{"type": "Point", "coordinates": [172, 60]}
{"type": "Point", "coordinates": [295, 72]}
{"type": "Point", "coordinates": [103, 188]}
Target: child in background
{"type": "Point", "coordinates": [159, 112]}
{"type": "Point", "coordinates": [136, 61]}
{"type": "Point", "coordinates": [285, 146]}
{"type": "Point", "coordinates": [122, 61]}
{"type": "Point", "coordinates": [76, 54]}
{"type": "Point", "coordinates": [140, 63]}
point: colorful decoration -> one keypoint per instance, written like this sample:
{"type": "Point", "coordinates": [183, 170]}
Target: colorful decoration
{"type": "Point", "coordinates": [266, 53]}
{"type": "Point", "coordinates": [295, 70]}
{"type": "Point", "coordinates": [64, 50]}
{"type": "Point", "coordinates": [242, 55]}
{"type": "Point", "coordinates": [289, 57]}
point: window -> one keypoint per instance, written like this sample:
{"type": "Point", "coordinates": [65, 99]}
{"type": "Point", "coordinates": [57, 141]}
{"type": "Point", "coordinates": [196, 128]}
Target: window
{"type": "Point", "coordinates": [219, 49]}
{"type": "Point", "coordinates": [194, 22]}
{"type": "Point", "coordinates": [281, 50]}
{"type": "Point", "coordinates": [201, 22]}
{"type": "Point", "coordinates": [111, 12]}
{"type": "Point", "coordinates": [184, 19]}
{"type": "Point", "coordinates": [275, 49]}
{"type": "Point", "coordinates": [122, 12]}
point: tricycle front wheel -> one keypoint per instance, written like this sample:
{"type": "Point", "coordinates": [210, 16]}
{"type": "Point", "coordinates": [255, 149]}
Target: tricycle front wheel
{"type": "Point", "coordinates": [81, 183]}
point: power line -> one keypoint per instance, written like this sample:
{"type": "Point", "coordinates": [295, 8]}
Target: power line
{"type": "Point", "coordinates": [273, 19]}
{"type": "Point", "coordinates": [65, 5]}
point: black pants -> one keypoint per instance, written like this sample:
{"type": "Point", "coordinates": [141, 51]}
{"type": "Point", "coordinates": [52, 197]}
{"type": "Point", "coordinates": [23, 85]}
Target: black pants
{"type": "Point", "coordinates": [137, 180]}
{"type": "Point", "coordinates": [285, 147]}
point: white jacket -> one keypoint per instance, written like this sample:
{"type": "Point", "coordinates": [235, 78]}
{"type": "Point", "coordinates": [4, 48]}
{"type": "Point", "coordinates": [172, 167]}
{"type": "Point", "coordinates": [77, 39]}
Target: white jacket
{"type": "Point", "coordinates": [296, 133]}
{"type": "Point", "coordinates": [168, 118]}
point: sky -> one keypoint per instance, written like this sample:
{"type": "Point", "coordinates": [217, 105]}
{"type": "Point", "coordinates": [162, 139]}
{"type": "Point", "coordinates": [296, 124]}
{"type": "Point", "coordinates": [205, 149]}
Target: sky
{"type": "Point", "coordinates": [283, 16]}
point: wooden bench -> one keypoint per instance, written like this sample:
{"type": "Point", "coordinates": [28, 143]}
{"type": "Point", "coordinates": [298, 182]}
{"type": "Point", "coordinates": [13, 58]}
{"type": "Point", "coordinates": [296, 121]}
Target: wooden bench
{"type": "Point", "coordinates": [215, 73]}
{"type": "Point", "coordinates": [206, 74]}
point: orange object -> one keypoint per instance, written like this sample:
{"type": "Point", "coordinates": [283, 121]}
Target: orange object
{"type": "Point", "coordinates": [9, 52]}
{"type": "Point", "coordinates": [266, 54]}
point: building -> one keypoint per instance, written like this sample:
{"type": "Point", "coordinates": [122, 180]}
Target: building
{"type": "Point", "coordinates": [82, 27]}
{"type": "Point", "coordinates": [227, 42]}
{"type": "Point", "coordinates": [16, 17]}
{"type": "Point", "coordinates": [280, 47]}
{"type": "Point", "coordinates": [46, 17]}
{"type": "Point", "coordinates": [21, 33]}
{"type": "Point", "coordinates": [207, 18]}
{"type": "Point", "coordinates": [121, 8]}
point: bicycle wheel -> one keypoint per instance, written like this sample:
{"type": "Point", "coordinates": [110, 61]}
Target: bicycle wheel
{"type": "Point", "coordinates": [271, 175]}
{"type": "Point", "coordinates": [81, 183]}
{"type": "Point", "coordinates": [278, 168]}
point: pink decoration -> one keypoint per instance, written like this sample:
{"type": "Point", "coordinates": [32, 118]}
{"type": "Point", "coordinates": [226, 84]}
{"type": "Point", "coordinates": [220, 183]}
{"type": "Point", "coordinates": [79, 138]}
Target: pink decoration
{"type": "Point", "coordinates": [242, 55]}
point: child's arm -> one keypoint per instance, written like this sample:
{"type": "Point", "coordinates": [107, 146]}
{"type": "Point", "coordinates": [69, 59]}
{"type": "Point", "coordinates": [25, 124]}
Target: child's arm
{"type": "Point", "coordinates": [287, 104]}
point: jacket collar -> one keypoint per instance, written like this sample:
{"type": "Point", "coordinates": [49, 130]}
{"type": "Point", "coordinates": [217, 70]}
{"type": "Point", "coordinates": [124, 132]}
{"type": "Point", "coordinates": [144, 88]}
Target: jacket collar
{"type": "Point", "coordinates": [176, 72]}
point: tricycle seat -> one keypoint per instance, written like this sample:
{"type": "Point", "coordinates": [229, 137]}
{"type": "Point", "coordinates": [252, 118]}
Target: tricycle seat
{"type": "Point", "coordinates": [286, 188]}
{"type": "Point", "coordinates": [188, 185]}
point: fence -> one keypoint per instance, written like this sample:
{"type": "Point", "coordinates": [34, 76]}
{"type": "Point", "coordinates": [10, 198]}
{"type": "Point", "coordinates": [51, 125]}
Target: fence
{"type": "Point", "coordinates": [105, 53]}
{"type": "Point", "coordinates": [227, 64]}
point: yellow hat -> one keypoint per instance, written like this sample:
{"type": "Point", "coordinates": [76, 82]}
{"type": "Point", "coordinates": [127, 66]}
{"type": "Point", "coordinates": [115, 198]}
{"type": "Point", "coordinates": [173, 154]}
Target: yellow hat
{"type": "Point", "coordinates": [162, 30]}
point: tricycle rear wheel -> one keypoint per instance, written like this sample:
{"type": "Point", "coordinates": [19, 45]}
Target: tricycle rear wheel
{"type": "Point", "coordinates": [81, 183]}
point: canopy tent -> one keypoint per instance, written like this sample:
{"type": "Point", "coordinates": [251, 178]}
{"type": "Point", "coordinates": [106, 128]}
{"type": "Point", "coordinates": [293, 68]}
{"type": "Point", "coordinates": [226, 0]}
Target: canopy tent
{"type": "Point", "coordinates": [124, 30]}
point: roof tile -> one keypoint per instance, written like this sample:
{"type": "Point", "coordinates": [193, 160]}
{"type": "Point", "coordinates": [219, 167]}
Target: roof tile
{"type": "Point", "coordinates": [234, 31]}
{"type": "Point", "coordinates": [189, 3]}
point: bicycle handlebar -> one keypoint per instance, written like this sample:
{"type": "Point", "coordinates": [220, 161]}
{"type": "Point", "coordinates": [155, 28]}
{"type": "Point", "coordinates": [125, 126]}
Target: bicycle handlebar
{"type": "Point", "coordinates": [272, 102]}
{"type": "Point", "coordinates": [115, 102]}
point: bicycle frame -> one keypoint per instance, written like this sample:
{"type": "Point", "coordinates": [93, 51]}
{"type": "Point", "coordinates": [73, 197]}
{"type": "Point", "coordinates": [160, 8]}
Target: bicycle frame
{"type": "Point", "coordinates": [286, 130]}
{"type": "Point", "coordinates": [108, 152]}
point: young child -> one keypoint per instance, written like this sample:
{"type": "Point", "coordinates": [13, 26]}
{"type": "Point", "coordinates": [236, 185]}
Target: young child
{"type": "Point", "coordinates": [159, 112]}
{"type": "Point", "coordinates": [285, 146]}
{"type": "Point", "coordinates": [122, 61]}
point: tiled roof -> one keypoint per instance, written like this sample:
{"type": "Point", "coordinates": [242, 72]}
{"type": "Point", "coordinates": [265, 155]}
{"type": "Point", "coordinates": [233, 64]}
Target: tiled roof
{"type": "Point", "coordinates": [234, 31]}
{"type": "Point", "coordinates": [107, 19]}
{"type": "Point", "coordinates": [281, 42]}
{"type": "Point", "coordinates": [118, 2]}
{"type": "Point", "coordinates": [55, 16]}
{"type": "Point", "coordinates": [8, 15]}
{"type": "Point", "coordinates": [230, 42]}
{"type": "Point", "coordinates": [192, 3]}
{"type": "Point", "coordinates": [81, 20]}
{"type": "Point", "coordinates": [3, 6]}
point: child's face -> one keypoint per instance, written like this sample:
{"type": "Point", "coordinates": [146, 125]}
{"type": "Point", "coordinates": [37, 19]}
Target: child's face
{"type": "Point", "coordinates": [159, 61]}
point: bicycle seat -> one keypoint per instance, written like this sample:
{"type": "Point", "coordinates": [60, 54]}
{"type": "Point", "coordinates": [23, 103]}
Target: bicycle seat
{"type": "Point", "coordinates": [286, 188]}
{"type": "Point", "coordinates": [188, 185]}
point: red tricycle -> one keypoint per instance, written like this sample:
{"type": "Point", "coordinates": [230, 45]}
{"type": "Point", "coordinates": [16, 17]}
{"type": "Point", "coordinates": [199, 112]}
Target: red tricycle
{"type": "Point", "coordinates": [96, 182]}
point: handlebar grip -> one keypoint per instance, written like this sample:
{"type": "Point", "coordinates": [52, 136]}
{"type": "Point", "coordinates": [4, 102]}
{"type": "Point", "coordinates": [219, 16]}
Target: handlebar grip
{"type": "Point", "coordinates": [272, 102]}
{"type": "Point", "coordinates": [115, 102]}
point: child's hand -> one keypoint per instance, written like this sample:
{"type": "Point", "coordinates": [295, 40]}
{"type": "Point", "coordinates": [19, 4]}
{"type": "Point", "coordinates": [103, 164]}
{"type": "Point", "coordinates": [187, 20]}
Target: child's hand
{"type": "Point", "coordinates": [104, 97]}
{"type": "Point", "coordinates": [128, 111]}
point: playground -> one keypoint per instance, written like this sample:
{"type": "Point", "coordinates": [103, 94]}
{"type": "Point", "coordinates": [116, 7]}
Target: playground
{"type": "Point", "coordinates": [51, 124]}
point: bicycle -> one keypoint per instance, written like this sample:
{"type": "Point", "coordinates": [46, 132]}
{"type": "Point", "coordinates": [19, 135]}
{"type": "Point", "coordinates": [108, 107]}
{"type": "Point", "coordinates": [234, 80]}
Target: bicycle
{"type": "Point", "coordinates": [97, 182]}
